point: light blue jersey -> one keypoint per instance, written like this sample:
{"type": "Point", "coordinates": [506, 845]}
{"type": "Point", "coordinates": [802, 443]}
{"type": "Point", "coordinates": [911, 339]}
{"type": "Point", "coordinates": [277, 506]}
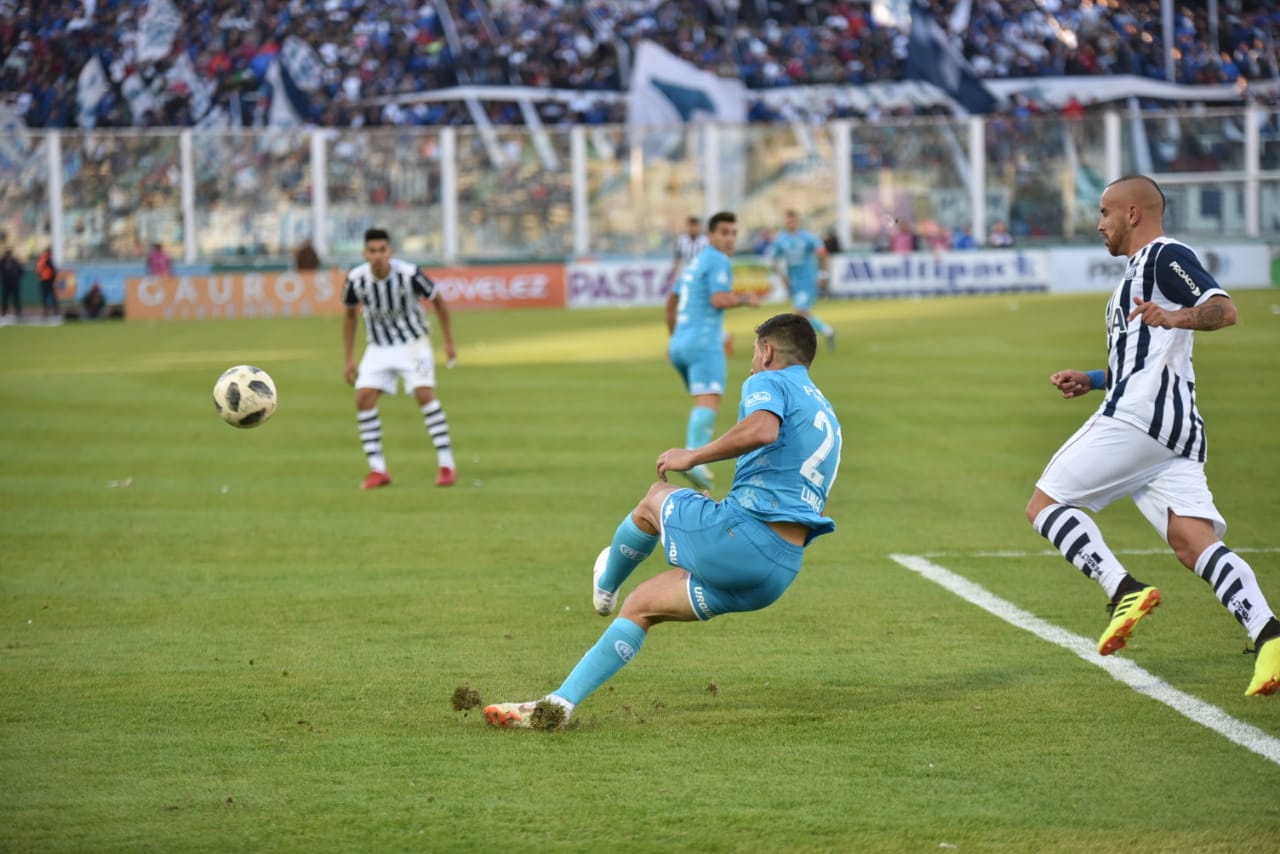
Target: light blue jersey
{"type": "Point", "coordinates": [789, 480]}
{"type": "Point", "coordinates": [799, 250]}
{"type": "Point", "coordinates": [699, 324]}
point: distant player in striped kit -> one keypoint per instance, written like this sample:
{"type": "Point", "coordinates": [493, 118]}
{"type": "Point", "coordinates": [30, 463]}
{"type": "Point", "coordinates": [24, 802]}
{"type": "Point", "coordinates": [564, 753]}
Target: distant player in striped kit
{"type": "Point", "coordinates": [687, 247]}
{"type": "Point", "coordinates": [1147, 439]}
{"type": "Point", "coordinates": [388, 292]}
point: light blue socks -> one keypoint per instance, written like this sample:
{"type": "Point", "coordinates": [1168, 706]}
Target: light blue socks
{"type": "Point", "coordinates": [628, 550]}
{"type": "Point", "coordinates": [618, 645]}
{"type": "Point", "coordinates": [702, 421]}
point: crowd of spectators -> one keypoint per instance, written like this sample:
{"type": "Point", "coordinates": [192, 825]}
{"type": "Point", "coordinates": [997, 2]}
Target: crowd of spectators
{"type": "Point", "coordinates": [372, 49]}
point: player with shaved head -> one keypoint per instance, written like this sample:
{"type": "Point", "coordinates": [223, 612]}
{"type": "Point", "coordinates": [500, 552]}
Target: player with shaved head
{"type": "Point", "coordinates": [1146, 441]}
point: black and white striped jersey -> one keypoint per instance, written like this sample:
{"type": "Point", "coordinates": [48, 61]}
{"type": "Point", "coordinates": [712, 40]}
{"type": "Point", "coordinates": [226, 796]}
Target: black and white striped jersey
{"type": "Point", "coordinates": [391, 307]}
{"type": "Point", "coordinates": [687, 248]}
{"type": "Point", "coordinates": [1151, 383]}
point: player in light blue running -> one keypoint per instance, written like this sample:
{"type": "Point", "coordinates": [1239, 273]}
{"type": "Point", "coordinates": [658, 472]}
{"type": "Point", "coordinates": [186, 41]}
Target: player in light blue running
{"type": "Point", "coordinates": [695, 319]}
{"type": "Point", "coordinates": [802, 255]}
{"type": "Point", "coordinates": [732, 556]}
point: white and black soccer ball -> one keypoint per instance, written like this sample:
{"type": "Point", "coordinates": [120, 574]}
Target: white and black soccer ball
{"type": "Point", "coordinates": [244, 396]}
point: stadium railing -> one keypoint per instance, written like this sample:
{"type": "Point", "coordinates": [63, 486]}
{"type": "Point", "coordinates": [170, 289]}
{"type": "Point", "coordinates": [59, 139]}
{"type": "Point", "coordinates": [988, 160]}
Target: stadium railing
{"type": "Point", "coordinates": [250, 196]}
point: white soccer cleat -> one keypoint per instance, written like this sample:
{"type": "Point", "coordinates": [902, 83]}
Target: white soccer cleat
{"type": "Point", "coordinates": [701, 477]}
{"type": "Point", "coordinates": [602, 599]}
{"type": "Point", "coordinates": [535, 714]}
{"type": "Point", "coordinates": [510, 715]}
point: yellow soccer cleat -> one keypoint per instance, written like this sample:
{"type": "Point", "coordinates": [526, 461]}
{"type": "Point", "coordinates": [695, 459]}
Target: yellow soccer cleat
{"type": "Point", "coordinates": [1266, 670]}
{"type": "Point", "coordinates": [1131, 608]}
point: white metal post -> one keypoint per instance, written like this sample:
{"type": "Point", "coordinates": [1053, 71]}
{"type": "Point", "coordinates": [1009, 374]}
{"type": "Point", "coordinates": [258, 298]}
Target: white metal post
{"type": "Point", "coordinates": [319, 192]}
{"type": "Point", "coordinates": [581, 203]}
{"type": "Point", "coordinates": [1252, 156]}
{"type": "Point", "coordinates": [842, 130]}
{"type": "Point", "coordinates": [711, 165]}
{"type": "Point", "coordinates": [187, 187]}
{"type": "Point", "coordinates": [57, 228]}
{"type": "Point", "coordinates": [977, 177]}
{"type": "Point", "coordinates": [1111, 134]}
{"type": "Point", "coordinates": [449, 193]}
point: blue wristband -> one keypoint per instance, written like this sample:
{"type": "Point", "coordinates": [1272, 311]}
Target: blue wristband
{"type": "Point", "coordinates": [1097, 379]}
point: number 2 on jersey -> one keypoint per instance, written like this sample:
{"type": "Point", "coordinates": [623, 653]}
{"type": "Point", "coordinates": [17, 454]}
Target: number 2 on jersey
{"type": "Point", "coordinates": [809, 468]}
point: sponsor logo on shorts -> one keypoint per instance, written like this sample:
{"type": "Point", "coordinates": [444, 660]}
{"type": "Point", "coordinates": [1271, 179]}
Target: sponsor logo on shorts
{"type": "Point", "coordinates": [672, 556]}
{"type": "Point", "coordinates": [624, 650]}
{"type": "Point", "coordinates": [757, 397]}
{"type": "Point", "coordinates": [700, 602]}
{"type": "Point", "coordinates": [629, 553]}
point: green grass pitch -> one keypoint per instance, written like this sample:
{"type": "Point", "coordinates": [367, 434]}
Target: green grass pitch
{"type": "Point", "coordinates": [213, 640]}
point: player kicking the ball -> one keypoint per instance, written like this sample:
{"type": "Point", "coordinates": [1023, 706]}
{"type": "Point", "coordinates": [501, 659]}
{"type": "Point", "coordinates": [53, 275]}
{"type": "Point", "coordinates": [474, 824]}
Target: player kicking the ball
{"type": "Point", "coordinates": [737, 555]}
{"type": "Point", "coordinates": [1146, 440]}
{"type": "Point", "coordinates": [388, 291]}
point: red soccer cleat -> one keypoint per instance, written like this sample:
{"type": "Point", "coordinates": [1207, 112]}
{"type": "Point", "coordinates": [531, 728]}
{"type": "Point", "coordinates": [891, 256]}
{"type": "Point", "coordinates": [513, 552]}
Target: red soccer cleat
{"type": "Point", "coordinates": [448, 477]}
{"type": "Point", "coordinates": [376, 479]}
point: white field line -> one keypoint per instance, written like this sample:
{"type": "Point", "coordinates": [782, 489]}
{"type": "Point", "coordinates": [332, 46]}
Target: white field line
{"type": "Point", "coordinates": [1120, 669]}
{"type": "Point", "coordinates": [1056, 553]}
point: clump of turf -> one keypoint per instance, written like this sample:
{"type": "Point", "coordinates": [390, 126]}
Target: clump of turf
{"type": "Point", "coordinates": [465, 697]}
{"type": "Point", "coordinates": [547, 715]}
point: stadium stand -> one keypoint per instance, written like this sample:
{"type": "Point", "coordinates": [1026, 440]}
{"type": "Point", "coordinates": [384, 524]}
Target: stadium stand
{"type": "Point", "coordinates": [369, 49]}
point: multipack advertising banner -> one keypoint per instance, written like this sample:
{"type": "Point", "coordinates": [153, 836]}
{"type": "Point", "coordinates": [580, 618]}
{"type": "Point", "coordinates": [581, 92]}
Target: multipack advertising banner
{"type": "Point", "coordinates": [938, 273]}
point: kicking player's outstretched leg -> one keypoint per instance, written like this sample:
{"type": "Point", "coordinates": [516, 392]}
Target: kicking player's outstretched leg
{"type": "Point", "coordinates": [630, 546]}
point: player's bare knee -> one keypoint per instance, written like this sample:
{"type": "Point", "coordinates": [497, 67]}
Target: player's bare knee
{"type": "Point", "coordinates": [1036, 505]}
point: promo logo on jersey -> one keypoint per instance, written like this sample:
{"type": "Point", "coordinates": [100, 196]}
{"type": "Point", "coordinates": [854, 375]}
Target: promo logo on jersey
{"type": "Point", "coordinates": [756, 398]}
{"type": "Point", "coordinates": [1185, 276]}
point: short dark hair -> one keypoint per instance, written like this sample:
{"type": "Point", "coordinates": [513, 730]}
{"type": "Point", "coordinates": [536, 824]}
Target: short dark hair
{"type": "Point", "coordinates": [717, 218]}
{"type": "Point", "coordinates": [792, 336]}
{"type": "Point", "coordinates": [692, 220]}
{"type": "Point", "coordinates": [1143, 179]}
{"type": "Point", "coordinates": [376, 234]}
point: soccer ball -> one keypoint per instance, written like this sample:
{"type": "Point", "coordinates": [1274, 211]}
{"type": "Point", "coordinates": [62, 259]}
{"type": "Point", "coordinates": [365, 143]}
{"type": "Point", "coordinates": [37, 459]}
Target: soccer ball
{"type": "Point", "coordinates": [244, 396]}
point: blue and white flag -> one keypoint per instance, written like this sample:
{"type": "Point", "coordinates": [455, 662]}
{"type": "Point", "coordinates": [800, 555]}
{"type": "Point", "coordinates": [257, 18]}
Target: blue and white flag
{"type": "Point", "coordinates": [159, 24]}
{"type": "Point", "coordinates": [932, 57]}
{"type": "Point", "coordinates": [182, 76]}
{"type": "Point", "coordinates": [302, 64]}
{"type": "Point", "coordinates": [15, 142]}
{"type": "Point", "coordinates": [282, 112]}
{"type": "Point", "coordinates": [296, 73]}
{"type": "Point", "coordinates": [667, 90]}
{"type": "Point", "coordinates": [91, 87]}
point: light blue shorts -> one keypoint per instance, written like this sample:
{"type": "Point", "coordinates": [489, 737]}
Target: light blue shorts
{"type": "Point", "coordinates": [701, 368]}
{"type": "Point", "coordinates": [735, 562]}
{"type": "Point", "coordinates": [804, 297]}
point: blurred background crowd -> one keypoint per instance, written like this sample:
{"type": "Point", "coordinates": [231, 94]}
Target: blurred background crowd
{"type": "Point", "coordinates": [370, 50]}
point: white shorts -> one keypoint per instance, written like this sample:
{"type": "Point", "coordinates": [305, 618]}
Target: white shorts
{"type": "Point", "coordinates": [1108, 459]}
{"type": "Point", "coordinates": [381, 366]}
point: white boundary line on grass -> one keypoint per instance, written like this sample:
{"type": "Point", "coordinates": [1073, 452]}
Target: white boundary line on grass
{"type": "Point", "coordinates": [1056, 553]}
{"type": "Point", "coordinates": [1120, 669]}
